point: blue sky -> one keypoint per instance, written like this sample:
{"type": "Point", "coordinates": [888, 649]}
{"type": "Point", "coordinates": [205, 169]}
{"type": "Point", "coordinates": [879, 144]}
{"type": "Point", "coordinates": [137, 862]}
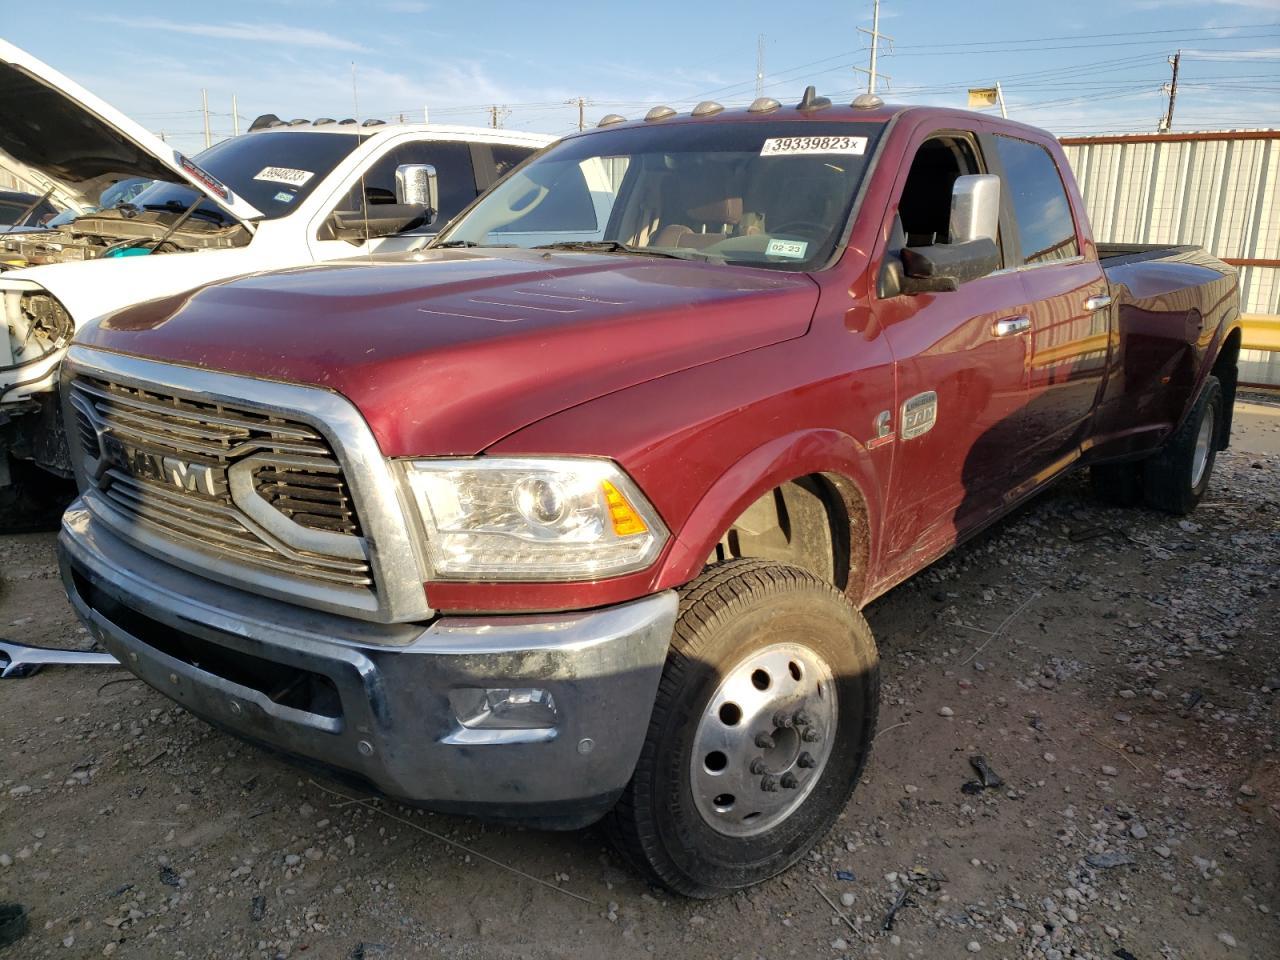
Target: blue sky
{"type": "Point", "coordinates": [1081, 67]}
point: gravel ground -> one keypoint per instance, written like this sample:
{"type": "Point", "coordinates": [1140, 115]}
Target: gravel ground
{"type": "Point", "coordinates": [1120, 670]}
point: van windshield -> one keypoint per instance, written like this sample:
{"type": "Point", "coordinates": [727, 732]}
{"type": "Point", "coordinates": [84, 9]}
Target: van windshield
{"type": "Point", "coordinates": [773, 194]}
{"type": "Point", "coordinates": [273, 170]}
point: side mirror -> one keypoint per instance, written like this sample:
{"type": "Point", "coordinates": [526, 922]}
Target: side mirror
{"type": "Point", "coordinates": [416, 185]}
{"type": "Point", "coordinates": [972, 252]}
{"type": "Point", "coordinates": [942, 267]}
{"type": "Point", "coordinates": [378, 220]}
{"type": "Point", "coordinates": [975, 208]}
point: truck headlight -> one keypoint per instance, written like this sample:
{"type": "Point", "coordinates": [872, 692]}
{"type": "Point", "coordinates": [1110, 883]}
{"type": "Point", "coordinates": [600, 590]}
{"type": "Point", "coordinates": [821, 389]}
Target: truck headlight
{"type": "Point", "coordinates": [561, 518]}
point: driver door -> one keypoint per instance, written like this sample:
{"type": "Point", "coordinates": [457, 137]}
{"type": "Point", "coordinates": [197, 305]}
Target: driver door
{"type": "Point", "coordinates": [962, 365]}
{"type": "Point", "coordinates": [456, 178]}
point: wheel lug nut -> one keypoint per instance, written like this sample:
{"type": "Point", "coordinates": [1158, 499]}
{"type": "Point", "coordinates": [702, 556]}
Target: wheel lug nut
{"type": "Point", "coordinates": [805, 760]}
{"type": "Point", "coordinates": [781, 719]}
{"type": "Point", "coordinates": [757, 765]}
{"type": "Point", "coordinates": [802, 719]}
{"type": "Point", "coordinates": [764, 741]}
{"type": "Point", "coordinates": [789, 781]}
{"type": "Point", "coordinates": [811, 736]}
{"type": "Point", "coordinates": [769, 783]}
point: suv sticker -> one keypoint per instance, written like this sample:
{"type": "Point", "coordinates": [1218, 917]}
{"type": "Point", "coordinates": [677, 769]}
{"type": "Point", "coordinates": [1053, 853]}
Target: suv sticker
{"type": "Point", "coordinates": [790, 146]}
{"type": "Point", "coordinates": [294, 178]}
{"type": "Point", "coordinates": [792, 249]}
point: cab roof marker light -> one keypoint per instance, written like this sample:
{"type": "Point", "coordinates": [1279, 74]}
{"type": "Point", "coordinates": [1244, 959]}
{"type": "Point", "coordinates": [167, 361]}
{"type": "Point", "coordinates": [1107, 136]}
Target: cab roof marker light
{"type": "Point", "coordinates": [811, 101]}
{"type": "Point", "coordinates": [373, 123]}
{"type": "Point", "coordinates": [866, 101]}
{"type": "Point", "coordinates": [610, 119]}
{"type": "Point", "coordinates": [659, 113]}
{"type": "Point", "coordinates": [299, 122]}
{"type": "Point", "coordinates": [348, 120]}
{"type": "Point", "coordinates": [263, 122]}
{"type": "Point", "coordinates": [764, 105]}
{"type": "Point", "coordinates": [707, 108]}
{"type": "Point", "coordinates": [321, 121]}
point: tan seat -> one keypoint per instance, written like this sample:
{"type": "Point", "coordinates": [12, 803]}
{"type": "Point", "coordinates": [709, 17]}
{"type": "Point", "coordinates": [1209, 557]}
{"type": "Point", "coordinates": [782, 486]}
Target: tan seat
{"type": "Point", "coordinates": [711, 216]}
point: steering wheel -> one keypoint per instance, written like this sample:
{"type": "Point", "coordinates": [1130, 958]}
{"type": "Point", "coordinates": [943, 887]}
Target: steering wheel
{"type": "Point", "coordinates": [806, 228]}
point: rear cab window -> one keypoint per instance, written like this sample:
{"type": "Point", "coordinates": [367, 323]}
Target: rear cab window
{"type": "Point", "coordinates": [1046, 230]}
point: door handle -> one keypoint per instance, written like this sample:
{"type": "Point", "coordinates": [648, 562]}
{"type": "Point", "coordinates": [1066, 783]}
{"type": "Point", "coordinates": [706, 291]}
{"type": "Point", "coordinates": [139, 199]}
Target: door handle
{"type": "Point", "coordinates": [1094, 304]}
{"type": "Point", "coordinates": [1011, 326]}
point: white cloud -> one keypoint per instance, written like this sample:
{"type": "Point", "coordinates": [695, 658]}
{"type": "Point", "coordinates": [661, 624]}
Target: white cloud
{"type": "Point", "coordinates": [1262, 53]}
{"type": "Point", "coordinates": [1267, 5]}
{"type": "Point", "coordinates": [279, 34]}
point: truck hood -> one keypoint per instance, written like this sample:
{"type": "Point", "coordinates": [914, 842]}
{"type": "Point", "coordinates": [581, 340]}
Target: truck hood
{"type": "Point", "coordinates": [448, 351]}
{"type": "Point", "coordinates": [56, 134]}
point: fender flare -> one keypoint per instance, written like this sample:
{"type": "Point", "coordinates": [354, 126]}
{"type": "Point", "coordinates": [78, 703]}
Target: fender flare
{"type": "Point", "coordinates": [789, 457]}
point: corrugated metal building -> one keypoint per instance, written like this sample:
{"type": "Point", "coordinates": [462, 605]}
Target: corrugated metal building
{"type": "Point", "coordinates": [1219, 190]}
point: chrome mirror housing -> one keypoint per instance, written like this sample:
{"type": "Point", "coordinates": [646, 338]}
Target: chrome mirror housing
{"type": "Point", "coordinates": [416, 185]}
{"type": "Point", "coordinates": [975, 208]}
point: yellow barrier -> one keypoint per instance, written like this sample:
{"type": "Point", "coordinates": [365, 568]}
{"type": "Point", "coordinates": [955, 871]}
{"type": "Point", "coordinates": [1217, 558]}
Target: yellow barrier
{"type": "Point", "coordinates": [1261, 331]}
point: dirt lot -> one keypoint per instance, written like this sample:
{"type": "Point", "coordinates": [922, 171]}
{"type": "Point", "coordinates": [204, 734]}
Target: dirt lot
{"type": "Point", "coordinates": [1119, 669]}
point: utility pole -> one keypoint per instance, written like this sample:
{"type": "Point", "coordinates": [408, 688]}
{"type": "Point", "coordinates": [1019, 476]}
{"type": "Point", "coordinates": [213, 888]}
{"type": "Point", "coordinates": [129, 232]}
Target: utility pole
{"type": "Point", "coordinates": [1166, 122]}
{"type": "Point", "coordinates": [204, 106]}
{"type": "Point", "coordinates": [876, 36]}
{"type": "Point", "coordinates": [581, 103]}
{"type": "Point", "coordinates": [1004, 114]}
{"type": "Point", "coordinates": [497, 114]}
{"type": "Point", "coordinates": [759, 66]}
{"type": "Point", "coordinates": [235, 117]}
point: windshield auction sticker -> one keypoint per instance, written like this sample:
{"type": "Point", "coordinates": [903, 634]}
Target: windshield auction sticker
{"type": "Point", "coordinates": [792, 146]}
{"type": "Point", "coordinates": [294, 178]}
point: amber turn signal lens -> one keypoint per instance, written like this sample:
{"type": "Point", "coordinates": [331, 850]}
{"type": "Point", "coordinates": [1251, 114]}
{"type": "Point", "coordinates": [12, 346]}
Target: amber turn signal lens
{"type": "Point", "coordinates": [626, 521]}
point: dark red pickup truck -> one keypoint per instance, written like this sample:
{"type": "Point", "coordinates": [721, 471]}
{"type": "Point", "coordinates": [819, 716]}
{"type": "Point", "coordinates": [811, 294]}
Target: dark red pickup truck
{"type": "Point", "coordinates": [573, 513]}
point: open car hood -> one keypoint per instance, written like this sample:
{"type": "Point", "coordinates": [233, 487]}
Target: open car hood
{"type": "Point", "coordinates": [57, 134]}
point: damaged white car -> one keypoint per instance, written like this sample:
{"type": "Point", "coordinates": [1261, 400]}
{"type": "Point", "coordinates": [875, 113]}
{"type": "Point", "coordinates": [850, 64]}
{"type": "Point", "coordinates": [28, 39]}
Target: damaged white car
{"type": "Point", "coordinates": [287, 193]}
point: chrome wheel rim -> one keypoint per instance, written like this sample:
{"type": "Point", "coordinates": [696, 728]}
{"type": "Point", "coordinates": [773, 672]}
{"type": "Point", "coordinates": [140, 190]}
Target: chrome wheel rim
{"type": "Point", "coordinates": [763, 740]}
{"type": "Point", "coordinates": [1204, 443]}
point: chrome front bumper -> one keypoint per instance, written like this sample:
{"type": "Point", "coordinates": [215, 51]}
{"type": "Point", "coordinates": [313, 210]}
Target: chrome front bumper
{"type": "Point", "coordinates": [373, 699]}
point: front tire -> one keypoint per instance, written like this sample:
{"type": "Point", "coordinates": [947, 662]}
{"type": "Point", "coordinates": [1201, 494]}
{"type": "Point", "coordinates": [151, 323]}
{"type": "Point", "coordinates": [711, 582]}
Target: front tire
{"type": "Point", "coordinates": [761, 728]}
{"type": "Point", "coordinates": [1176, 478]}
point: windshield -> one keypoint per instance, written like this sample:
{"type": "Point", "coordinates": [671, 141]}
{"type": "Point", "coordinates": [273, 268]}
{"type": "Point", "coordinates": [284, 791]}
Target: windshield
{"type": "Point", "coordinates": [758, 193]}
{"type": "Point", "coordinates": [273, 171]}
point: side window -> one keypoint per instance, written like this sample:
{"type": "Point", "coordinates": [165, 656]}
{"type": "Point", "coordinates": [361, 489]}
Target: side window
{"type": "Point", "coordinates": [1045, 228]}
{"type": "Point", "coordinates": [455, 177]}
{"type": "Point", "coordinates": [925, 207]}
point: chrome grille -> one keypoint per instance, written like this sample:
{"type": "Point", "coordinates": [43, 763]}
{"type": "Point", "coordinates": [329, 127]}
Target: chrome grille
{"type": "Point", "coordinates": [308, 497]}
{"type": "Point", "coordinates": [167, 461]}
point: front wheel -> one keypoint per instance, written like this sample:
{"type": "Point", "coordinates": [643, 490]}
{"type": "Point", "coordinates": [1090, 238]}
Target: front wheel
{"type": "Point", "coordinates": [761, 728]}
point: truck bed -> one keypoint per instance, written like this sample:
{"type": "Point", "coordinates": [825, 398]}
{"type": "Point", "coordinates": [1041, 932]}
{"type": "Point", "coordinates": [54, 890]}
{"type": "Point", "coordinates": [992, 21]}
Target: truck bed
{"type": "Point", "coordinates": [1115, 254]}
